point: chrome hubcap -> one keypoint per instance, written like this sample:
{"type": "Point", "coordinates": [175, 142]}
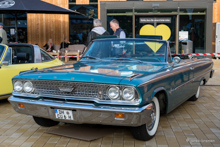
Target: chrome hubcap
{"type": "Point", "coordinates": [153, 119]}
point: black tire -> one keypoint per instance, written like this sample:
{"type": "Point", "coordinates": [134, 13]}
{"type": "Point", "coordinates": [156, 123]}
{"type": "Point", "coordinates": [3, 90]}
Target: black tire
{"type": "Point", "coordinates": [45, 122]}
{"type": "Point", "coordinates": [146, 132]}
{"type": "Point", "coordinates": [196, 96]}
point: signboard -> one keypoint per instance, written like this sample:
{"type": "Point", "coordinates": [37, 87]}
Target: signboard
{"type": "Point", "coordinates": [155, 19]}
{"type": "Point", "coordinates": [183, 35]}
{"type": "Point", "coordinates": [12, 31]}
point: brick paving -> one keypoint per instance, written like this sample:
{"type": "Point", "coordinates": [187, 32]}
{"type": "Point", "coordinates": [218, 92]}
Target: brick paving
{"type": "Point", "coordinates": [191, 124]}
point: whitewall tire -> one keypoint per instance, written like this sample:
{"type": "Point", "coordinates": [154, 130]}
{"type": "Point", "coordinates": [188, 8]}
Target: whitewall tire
{"type": "Point", "coordinates": [147, 131]}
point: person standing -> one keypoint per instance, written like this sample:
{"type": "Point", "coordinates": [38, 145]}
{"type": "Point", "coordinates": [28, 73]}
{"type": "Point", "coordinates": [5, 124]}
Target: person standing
{"type": "Point", "coordinates": [98, 30]}
{"type": "Point", "coordinates": [3, 34]}
{"type": "Point", "coordinates": [114, 24]}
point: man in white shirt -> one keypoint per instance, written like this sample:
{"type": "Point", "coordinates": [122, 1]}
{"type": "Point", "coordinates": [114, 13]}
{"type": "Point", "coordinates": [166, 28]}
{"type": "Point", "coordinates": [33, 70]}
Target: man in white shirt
{"type": "Point", "coordinates": [3, 34]}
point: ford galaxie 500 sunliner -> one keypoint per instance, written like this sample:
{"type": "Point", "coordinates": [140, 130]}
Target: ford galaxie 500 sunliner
{"type": "Point", "coordinates": [17, 57]}
{"type": "Point", "coordinates": [123, 82]}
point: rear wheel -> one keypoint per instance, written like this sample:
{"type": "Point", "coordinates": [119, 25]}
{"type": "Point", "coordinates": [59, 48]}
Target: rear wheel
{"type": "Point", "coordinates": [196, 96]}
{"type": "Point", "coordinates": [45, 122]}
{"type": "Point", "coordinates": [147, 131]}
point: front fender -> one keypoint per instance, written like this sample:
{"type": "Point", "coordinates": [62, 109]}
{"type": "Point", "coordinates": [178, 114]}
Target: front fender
{"type": "Point", "coordinates": [159, 89]}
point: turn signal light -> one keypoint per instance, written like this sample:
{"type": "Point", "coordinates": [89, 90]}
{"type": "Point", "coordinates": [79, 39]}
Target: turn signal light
{"type": "Point", "coordinates": [21, 106]}
{"type": "Point", "coordinates": [119, 116]}
{"type": "Point", "coordinates": [149, 107]}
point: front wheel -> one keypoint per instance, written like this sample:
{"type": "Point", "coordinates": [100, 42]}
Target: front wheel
{"type": "Point", "coordinates": [45, 122]}
{"type": "Point", "coordinates": [147, 131]}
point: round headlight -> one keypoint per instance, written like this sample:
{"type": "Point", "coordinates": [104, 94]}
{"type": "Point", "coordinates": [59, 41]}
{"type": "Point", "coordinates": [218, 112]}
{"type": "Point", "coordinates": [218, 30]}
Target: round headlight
{"type": "Point", "coordinates": [18, 86]}
{"type": "Point", "coordinates": [113, 93]}
{"type": "Point", "coordinates": [28, 86]}
{"type": "Point", "coordinates": [128, 93]}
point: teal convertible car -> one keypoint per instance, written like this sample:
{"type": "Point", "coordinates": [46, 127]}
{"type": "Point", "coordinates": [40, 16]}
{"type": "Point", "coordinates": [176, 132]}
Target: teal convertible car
{"type": "Point", "coordinates": [123, 82]}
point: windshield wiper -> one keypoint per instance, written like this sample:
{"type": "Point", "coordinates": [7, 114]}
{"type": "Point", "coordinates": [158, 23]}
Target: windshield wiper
{"type": "Point", "coordinates": [122, 59]}
{"type": "Point", "coordinates": [89, 57]}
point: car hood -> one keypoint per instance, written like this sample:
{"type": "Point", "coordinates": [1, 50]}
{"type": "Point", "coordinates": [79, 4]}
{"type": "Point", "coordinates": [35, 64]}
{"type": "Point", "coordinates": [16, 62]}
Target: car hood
{"type": "Point", "coordinates": [100, 72]}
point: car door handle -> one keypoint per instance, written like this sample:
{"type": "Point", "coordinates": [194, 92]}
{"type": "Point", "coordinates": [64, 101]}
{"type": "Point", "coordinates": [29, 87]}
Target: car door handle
{"type": "Point", "coordinates": [191, 68]}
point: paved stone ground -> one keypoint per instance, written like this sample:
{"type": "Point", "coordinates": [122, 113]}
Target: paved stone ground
{"type": "Point", "coordinates": [191, 124]}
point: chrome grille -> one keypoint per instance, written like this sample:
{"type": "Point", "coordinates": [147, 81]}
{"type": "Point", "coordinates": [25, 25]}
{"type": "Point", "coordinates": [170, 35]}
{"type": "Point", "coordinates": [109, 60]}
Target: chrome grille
{"type": "Point", "coordinates": [80, 90]}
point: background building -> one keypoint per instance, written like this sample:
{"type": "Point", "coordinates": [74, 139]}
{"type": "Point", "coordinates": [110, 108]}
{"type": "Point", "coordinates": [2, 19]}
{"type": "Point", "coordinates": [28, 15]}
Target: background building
{"type": "Point", "coordinates": [182, 19]}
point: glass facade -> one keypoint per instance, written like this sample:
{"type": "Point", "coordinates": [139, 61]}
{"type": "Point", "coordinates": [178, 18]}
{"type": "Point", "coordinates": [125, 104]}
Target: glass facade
{"type": "Point", "coordinates": [164, 26]}
{"type": "Point", "coordinates": [193, 21]}
{"type": "Point", "coordinates": [9, 26]}
{"type": "Point", "coordinates": [80, 26]}
{"type": "Point", "coordinates": [165, 23]}
{"type": "Point", "coordinates": [189, 22]}
{"type": "Point", "coordinates": [124, 18]}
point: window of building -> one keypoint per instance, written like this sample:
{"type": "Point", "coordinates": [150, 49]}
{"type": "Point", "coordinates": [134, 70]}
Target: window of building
{"type": "Point", "coordinates": [72, 1]}
{"type": "Point", "coordinates": [80, 26]}
{"type": "Point", "coordinates": [193, 21]}
{"type": "Point", "coordinates": [125, 19]}
{"type": "Point", "coordinates": [9, 26]}
{"type": "Point", "coordinates": [93, 1]}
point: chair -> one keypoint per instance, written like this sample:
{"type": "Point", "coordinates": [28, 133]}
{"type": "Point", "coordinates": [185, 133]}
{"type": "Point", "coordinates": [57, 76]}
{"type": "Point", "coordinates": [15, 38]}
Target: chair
{"type": "Point", "coordinates": [56, 48]}
{"type": "Point", "coordinates": [74, 50]}
{"type": "Point", "coordinates": [22, 58]}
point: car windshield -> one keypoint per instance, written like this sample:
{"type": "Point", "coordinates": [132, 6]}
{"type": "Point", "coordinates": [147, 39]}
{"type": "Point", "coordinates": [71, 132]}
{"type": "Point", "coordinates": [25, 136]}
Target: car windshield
{"type": "Point", "coordinates": [1, 51]}
{"type": "Point", "coordinates": [127, 49]}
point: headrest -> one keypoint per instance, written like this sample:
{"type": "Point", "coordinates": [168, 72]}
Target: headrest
{"type": "Point", "coordinates": [22, 56]}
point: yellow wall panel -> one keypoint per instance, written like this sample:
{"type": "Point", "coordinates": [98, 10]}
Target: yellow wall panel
{"type": "Point", "coordinates": [42, 27]}
{"type": "Point", "coordinates": [81, 2]}
{"type": "Point", "coordinates": [216, 11]}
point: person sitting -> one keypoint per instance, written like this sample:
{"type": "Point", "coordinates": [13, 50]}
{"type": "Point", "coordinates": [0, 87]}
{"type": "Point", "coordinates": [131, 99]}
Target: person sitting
{"type": "Point", "coordinates": [49, 46]}
{"type": "Point", "coordinates": [65, 44]}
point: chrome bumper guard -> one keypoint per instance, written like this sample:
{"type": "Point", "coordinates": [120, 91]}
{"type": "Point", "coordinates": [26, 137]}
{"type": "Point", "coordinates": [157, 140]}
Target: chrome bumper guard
{"type": "Point", "coordinates": [212, 73]}
{"type": "Point", "coordinates": [84, 113]}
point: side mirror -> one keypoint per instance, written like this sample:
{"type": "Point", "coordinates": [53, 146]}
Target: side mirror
{"type": "Point", "coordinates": [176, 60]}
{"type": "Point", "coordinates": [5, 63]}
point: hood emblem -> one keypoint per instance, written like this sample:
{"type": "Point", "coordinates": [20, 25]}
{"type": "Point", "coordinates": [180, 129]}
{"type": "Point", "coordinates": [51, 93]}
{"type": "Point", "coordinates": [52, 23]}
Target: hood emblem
{"type": "Point", "coordinates": [66, 89]}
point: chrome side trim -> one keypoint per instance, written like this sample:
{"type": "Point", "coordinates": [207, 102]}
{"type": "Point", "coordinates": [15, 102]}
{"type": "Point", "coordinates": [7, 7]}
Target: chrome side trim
{"type": "Point", "coordinates": [170, 73]}
{"type": "Point", "coordinates": [134, 76]}
{"type": "Point", "coordinates": [188, 82]}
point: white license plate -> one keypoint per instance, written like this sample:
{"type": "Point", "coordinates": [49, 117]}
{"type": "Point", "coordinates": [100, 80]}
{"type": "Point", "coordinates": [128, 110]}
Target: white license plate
{"type": "Point", "coordinates": [64, 114]}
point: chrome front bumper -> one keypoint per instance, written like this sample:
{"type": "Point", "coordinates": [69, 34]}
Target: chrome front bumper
{"type": "Point", "coordinates": [84, 113]}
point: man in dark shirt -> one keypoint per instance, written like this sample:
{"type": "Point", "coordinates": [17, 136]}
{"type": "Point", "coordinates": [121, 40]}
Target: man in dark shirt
{"type": "Point", "coordinates": [65, 44]}
{"type": "Point", "coordinates": [98, 30]}
{"type": "Point", "coordinates": [114, 24]}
